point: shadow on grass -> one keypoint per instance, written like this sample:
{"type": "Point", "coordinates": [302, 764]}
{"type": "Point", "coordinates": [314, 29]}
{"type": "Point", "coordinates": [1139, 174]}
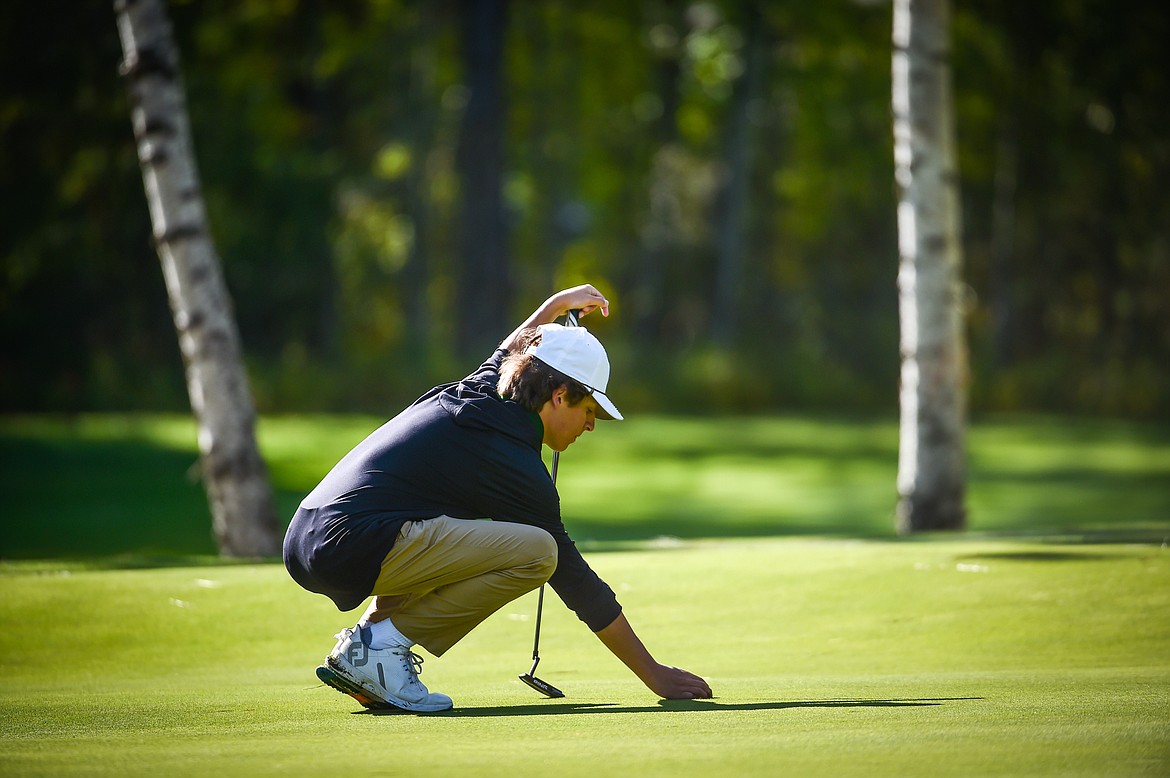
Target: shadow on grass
{"type": "Point", "coordinates": [672, 706]}
{"type": "Point", "coordinates": [1041, 556]}
{"type": "Point", "coordinates": [129, 561]}
{"type": "Point", "coordinates": [71, 496]}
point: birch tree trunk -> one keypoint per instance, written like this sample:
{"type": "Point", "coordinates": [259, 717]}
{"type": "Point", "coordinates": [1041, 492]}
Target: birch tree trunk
{"type": "Point", "coordinates": [931, 459]}
{"type": "Point", "coordinates": [234, 475]}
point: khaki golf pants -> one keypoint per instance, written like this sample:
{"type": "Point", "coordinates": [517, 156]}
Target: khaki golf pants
{"type": "Point", "coordinates": [444, 576]}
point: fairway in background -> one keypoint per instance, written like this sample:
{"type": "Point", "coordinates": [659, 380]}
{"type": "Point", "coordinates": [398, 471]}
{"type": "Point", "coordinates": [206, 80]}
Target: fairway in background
{"type": "Point", "coordinates": [93, 485]}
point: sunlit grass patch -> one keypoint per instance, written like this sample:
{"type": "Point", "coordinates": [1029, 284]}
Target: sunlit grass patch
{"type": "Point", "coordinates": [827, 657]}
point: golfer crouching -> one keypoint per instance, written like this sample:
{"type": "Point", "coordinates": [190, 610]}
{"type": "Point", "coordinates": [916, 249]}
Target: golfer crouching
{"type": "Point", "coordinates": [400, 516]}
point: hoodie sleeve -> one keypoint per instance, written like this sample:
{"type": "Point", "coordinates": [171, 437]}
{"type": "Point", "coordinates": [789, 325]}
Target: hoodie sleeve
{"type": "Point", "coordinates": [526, 495]}
{"type": "Point", "coordinates": [581, 589]}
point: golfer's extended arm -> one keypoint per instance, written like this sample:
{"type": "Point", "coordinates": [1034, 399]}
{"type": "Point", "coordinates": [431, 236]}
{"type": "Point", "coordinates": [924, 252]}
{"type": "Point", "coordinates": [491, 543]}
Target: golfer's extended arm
{"type": "Point", "coordinates": [671, 683]}
{"type": "Point", "coordinates": [584, 297]}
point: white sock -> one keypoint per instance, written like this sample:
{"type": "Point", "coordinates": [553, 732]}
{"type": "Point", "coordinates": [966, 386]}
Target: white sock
{"type": "Point", "coordinates": [385, 635]}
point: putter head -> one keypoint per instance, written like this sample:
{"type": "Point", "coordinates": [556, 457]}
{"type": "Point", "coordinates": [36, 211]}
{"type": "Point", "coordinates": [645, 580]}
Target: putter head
{"type": "Point", "coordinates": [547, 689]}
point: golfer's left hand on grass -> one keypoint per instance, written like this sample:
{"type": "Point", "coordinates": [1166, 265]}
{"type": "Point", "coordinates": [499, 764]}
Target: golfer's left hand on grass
{"type": "Point", "coordinates": [674, 683]}
{"type": "Point", "coordinates": [668, 682]}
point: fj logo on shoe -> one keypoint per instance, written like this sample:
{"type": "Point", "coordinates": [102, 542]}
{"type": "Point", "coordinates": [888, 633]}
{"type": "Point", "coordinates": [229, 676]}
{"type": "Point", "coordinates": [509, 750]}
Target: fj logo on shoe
{"type": "Point", "coordinates": [356, 654]}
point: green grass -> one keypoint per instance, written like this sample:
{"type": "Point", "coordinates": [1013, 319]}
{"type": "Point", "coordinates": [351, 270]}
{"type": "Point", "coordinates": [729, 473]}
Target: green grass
{"type": "Point", "coordinates": [757, 552]}
{"type": "Point", "coordinates": [827, 657]}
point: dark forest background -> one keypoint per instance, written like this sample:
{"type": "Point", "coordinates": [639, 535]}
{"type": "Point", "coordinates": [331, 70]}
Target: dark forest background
{"type": "Point", "coordinates": [392, 185]}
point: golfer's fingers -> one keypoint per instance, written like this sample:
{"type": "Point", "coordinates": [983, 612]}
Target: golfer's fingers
{"type": "Point", "coordinates": [693, 693]}
{"type": "Point", "coordinates": [688, 686]}
{"type": "Point", "coordinates": [592, 301]}
{"type": "Point", "coordinates": [590, 308]}
{"type": "Point", "coordinates": [702, 690]}
{"type": "Point", "coordinates": [699, 686]}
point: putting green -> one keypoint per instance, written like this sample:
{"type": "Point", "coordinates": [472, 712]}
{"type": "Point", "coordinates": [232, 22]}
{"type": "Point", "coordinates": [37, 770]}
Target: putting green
{"type": "Point", "coordinates": [828, 657]}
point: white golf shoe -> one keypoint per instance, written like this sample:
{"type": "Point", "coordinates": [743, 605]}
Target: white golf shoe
{"type": "Point", "coordinates": [379, 679]}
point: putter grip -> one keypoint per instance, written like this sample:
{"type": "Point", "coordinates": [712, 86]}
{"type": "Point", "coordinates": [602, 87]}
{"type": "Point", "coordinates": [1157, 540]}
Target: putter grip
{"type": "Point", "coordinates": [573, 318]}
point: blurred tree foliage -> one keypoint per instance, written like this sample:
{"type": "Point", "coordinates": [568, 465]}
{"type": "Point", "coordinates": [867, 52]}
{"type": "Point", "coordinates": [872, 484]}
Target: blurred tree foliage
{"type": "Point", "coordinates": [723, 170]}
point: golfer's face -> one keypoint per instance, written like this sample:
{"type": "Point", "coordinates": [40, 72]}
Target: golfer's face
{"type": "Point", "coordinates": [566, 422]}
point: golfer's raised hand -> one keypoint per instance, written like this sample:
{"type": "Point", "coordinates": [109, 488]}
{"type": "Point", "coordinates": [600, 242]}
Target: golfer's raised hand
{"type": "Point", "coordinates": [585, 298]}
{"type": "Point", "coordinates": [674, 683]}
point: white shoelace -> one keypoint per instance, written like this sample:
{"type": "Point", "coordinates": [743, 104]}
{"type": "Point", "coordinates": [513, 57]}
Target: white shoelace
{"type": "Point", "coordinates": [413, 663]}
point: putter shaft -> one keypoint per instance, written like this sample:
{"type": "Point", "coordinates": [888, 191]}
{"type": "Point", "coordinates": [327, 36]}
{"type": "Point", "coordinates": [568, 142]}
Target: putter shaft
{"type": "Point", "coordinates": [571, 320]}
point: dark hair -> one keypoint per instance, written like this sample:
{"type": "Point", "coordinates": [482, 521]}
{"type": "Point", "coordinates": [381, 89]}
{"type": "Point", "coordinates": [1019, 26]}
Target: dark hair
{"type": "Point", "coordinates": [526, 380]}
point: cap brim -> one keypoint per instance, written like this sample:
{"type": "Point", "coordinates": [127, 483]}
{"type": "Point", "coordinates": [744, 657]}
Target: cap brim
{"type": "Point", "coordinates": [609, 411]}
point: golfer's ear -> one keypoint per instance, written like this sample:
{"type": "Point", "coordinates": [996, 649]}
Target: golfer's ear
{"type": "Point", "coordinates": [559, 394]}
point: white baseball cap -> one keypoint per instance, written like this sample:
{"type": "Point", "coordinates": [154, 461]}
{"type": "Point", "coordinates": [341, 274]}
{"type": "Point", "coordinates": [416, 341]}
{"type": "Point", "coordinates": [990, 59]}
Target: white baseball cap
{"type": "Point", "coordinates": [576, 353]}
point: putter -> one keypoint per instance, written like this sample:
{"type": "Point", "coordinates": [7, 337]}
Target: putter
{"type": "Point", "coordinates": [544, 687]}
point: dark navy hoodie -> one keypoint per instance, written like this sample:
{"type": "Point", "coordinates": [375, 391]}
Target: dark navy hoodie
{"type": "Point", "coordinates": [460, 451]}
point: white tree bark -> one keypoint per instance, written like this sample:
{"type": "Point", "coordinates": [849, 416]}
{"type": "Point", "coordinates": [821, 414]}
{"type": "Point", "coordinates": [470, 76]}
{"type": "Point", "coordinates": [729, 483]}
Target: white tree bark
{"type": "Point", "coordinates": [234, 475]}
{"type": "Point", "coordinates": [931, 460]}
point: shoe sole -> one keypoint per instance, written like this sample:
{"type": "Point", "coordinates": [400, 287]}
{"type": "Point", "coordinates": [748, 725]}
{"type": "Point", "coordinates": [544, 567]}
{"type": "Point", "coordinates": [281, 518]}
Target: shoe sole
{"type": "Point", "coordinates": [330, 677]}
{"type": "Point", "coordinates": [342, 684]}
